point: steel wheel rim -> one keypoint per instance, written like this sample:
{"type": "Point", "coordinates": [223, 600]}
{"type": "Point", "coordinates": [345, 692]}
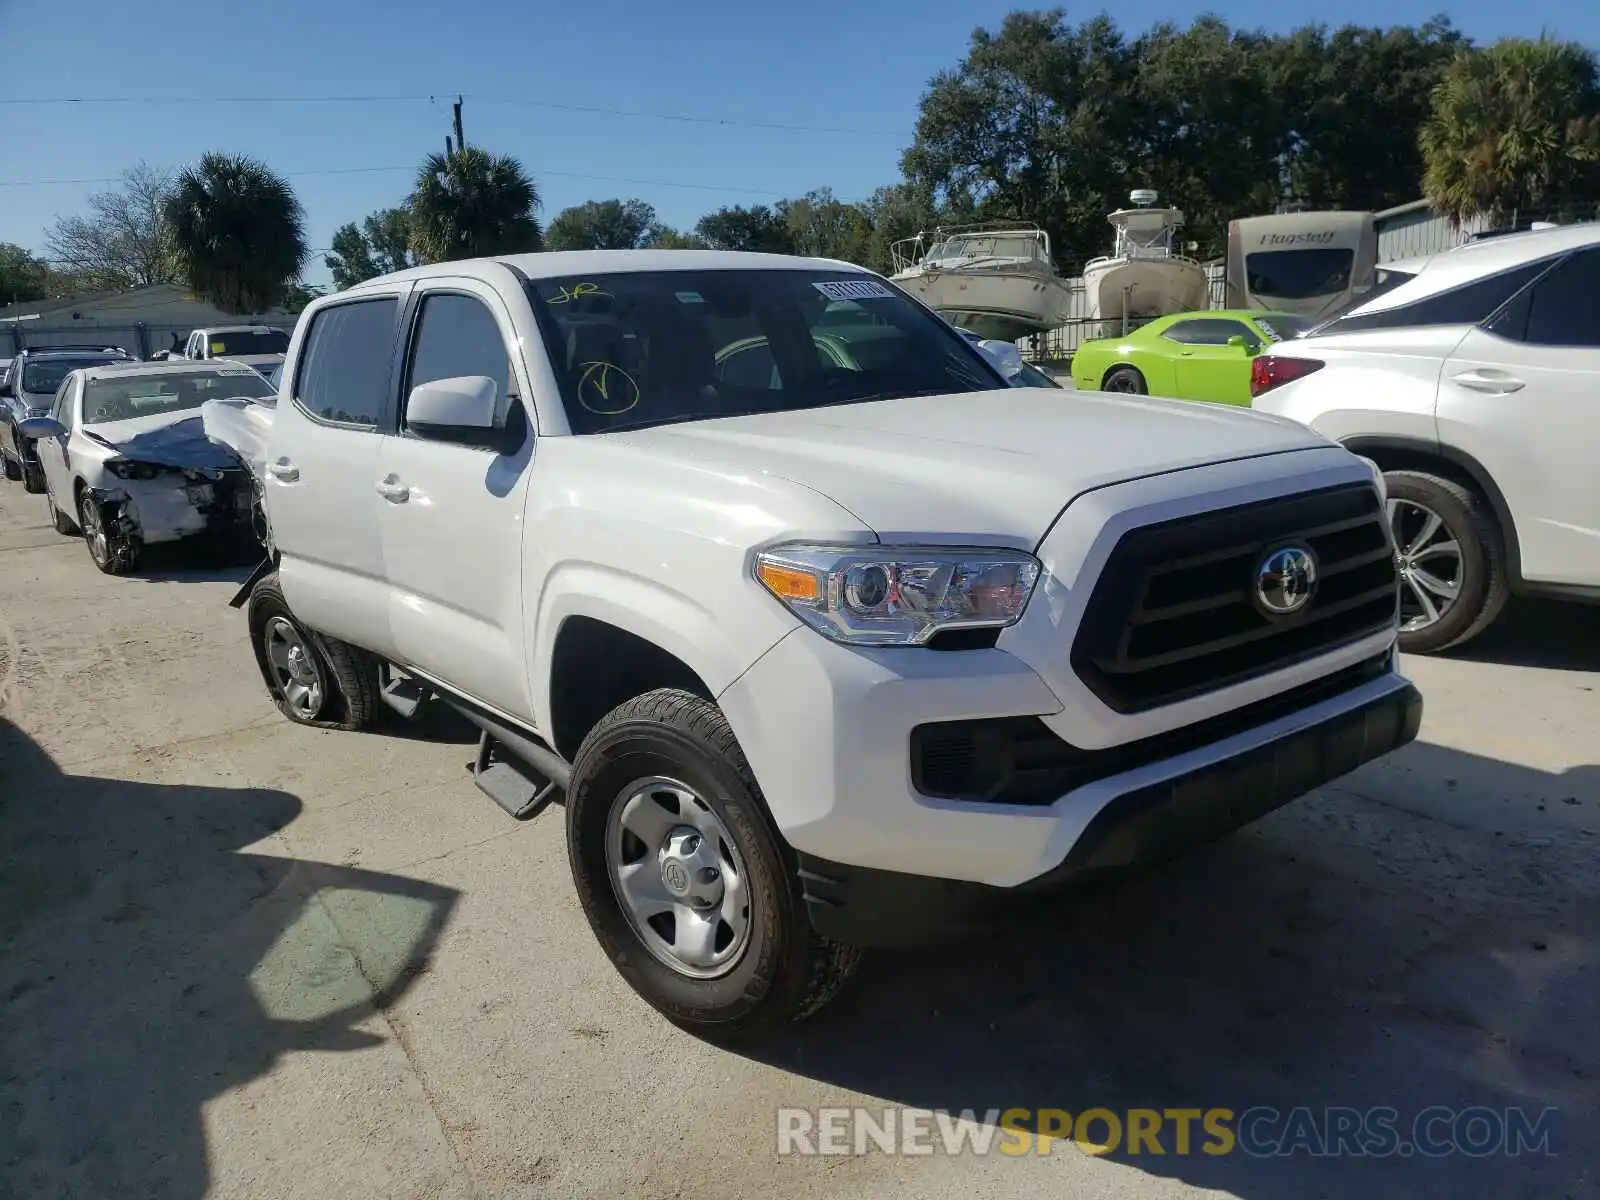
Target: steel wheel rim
{"type": "Point", "coordinates": [94, 529]}
{"type": "Point", "coordinates": [1428, 556]}
{"type": "Point", "coordinates": [295, 672]}
{"type": "Point", "coordinates": [678, 877]}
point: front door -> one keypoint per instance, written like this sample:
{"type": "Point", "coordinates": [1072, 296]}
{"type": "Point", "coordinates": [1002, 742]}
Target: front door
{"type": "Point", "coordinates": [322, 468]}
{"type": "Point", "coordinates": [1206, 367]}
{"type": "Point", "coordinates": [452, 517]}
{"type": "Point", "coordinates": [52, 452]}
{"type": "Point", "coordinates": [1522, 396]}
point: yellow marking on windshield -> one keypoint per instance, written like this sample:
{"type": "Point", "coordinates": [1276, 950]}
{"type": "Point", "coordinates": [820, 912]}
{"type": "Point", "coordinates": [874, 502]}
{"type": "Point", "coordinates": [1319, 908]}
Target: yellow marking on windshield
{"type": "Point", "coordinates": [601, 378]}
{"type": "Point", "coordinates": [577, 292]}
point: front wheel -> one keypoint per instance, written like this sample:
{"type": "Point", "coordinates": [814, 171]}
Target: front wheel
{"type": "Point", "coordinates": [113, 550]}
{"type": "Point", "coordinates": [313, 680]}
{"type": "Point", "coordinates": [683, 878]}
{"type": "Point", "coordinates": [1453, 579]}
{"type": "Point", "coordinates": [1128, 381]}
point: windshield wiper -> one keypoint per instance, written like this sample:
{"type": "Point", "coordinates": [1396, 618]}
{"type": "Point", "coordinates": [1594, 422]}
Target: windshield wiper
{"type": "Point", "coordinates": [674, 419]}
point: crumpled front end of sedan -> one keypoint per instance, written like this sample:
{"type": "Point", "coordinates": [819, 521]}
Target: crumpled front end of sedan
{"type": "Point", "coordinates": [153, 503]}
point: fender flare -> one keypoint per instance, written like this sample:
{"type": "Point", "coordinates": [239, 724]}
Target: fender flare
{"type": "Point", "coordinates": [1374, 447]}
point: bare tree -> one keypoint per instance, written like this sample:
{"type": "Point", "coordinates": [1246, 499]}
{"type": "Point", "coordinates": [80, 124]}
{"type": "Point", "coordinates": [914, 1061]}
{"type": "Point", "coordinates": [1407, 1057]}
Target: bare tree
{"type": "Point", "coordinates": [124, 241]}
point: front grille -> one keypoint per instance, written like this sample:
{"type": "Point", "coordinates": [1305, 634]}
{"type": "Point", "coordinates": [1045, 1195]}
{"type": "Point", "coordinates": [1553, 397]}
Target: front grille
{"type": "Point", "coordinates": [1173, 614]}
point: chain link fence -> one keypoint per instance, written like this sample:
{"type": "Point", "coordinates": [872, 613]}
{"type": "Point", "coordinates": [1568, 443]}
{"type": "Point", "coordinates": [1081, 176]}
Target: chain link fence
{"type": "Point", "coordinates": [139, 338]}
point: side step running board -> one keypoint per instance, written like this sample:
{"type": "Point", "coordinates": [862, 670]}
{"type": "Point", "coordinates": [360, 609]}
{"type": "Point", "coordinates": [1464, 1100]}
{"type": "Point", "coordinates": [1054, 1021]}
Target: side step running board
{"type": "Point", "coordinates": [403, 693]}
{"type": "Point", "coordinates": [521, 775]}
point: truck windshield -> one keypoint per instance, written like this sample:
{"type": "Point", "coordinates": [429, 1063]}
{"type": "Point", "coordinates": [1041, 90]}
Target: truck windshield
{"type": "Point", "coordinates": [653, 347]}
{"type": "Point", "coordinates": [225, 343]}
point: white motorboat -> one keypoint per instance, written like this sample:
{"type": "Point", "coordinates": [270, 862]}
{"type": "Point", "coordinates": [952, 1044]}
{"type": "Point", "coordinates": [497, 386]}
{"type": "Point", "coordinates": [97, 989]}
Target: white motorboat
{"type": "Point", "coordinates": [1144, 276]}
{"type": "Point", "coordinates": [997, 280]}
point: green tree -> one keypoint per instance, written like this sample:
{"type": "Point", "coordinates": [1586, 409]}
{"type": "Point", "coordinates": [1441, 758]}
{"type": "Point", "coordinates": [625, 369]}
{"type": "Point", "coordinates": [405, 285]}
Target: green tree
{"type": "Point", "coordinates": [380, 245]}
{"type": "Point", "coordinates": [123, 241]}
{"type": "Point", "coordinates": [602, 225]}
{"type": "Point", "coordinates": [298, 295]}
{"type": "Point", "coordinates": [1514, 128]}
{"type": "Point", "coordinates": [896, 213]}
{"type": "Point", "coordinates": [238, 232]}
{"type": "Point", "coordinates": [22, 276]}
{"type": "Point", "coordinates": [822, 226]}
{"type": "Point", "coordinates": [471, 203]}
{"type": "Point", "coordinates": [350, 258]}
{"type": "Point", "coordinates": [665, 238]}
{"type": "Point", "coordinates": [738, 228]}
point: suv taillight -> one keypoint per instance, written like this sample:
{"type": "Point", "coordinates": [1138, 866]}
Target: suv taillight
{"type": "Point", "coordinates": [1268, 371]}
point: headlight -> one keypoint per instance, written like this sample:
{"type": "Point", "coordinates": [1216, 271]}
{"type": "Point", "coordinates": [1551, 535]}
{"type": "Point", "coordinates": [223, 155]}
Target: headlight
{"type": "Point", "coordinates": [127, 468]}
{"type": "Point", "coordinates": [898, 595]}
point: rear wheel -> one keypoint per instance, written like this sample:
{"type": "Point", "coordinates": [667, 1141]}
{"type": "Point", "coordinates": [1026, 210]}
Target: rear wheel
{"type": "Point", "coordinates": [1126, 380]}
{"type": "Point", "coordinates": [686, 884]}
{"type": "Point", "coordinates": [1453, 579]}
{"type": "Point", "coordinates": [313, 680]}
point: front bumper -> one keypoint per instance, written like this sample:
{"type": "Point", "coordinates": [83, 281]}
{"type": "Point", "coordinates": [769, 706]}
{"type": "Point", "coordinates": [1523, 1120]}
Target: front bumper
{"type": "Point", "coordinates": [827, 730]}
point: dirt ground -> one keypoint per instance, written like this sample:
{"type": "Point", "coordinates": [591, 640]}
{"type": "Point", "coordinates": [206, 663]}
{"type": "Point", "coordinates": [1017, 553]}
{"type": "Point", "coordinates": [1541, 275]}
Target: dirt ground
{"type": "Point", "coordinates": [243, 959]}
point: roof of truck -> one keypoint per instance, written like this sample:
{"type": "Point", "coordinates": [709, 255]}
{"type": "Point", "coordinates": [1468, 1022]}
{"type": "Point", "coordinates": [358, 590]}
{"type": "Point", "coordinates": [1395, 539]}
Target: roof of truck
{"type": "Point", "coordinates": [561, 263]}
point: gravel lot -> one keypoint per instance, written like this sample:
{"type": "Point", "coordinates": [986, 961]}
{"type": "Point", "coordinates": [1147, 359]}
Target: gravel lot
{"type": "Point", "coordinates": [243, 959]}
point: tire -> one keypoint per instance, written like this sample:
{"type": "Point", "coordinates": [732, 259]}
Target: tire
{"type": "Point", "coordinates": [110, 548]}
{"type": "Point", "coordinates": [1482, 584]}
{"type": "Point", "coordinates": [32, 478]}
{"type": "Point", "coordinates": [1128, 381]}
{"type": "Point", "coordinates": [342, 680]}
{"type": "Point", "coordinates": [783, 971]}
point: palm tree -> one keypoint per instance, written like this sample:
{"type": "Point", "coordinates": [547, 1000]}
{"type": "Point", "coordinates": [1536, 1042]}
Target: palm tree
{"type": "Point", "coordinates": [471, 203]}
{"type": "Point", "coordinates": [1514, 127]}
{"type": "Point", "coordinates": [238, 231]}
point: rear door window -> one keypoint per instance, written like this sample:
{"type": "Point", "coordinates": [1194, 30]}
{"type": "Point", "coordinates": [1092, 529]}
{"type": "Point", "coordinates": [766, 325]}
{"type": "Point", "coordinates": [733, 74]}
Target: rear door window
{"type": "Point", "coordinates": [458, 335]}
{"type": "Point", "coordinates": [1469, 304]}
{"type": "Point", "coordinates": [344, 371]}
{"type": "Point", "coordinates": [1564, 307]}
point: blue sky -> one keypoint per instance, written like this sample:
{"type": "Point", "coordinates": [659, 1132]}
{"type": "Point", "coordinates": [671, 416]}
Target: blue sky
{"type": "Point", "coordinates": [859, 65]}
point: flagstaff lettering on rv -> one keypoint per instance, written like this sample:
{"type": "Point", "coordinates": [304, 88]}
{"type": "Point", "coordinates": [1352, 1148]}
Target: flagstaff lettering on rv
{"type": "Point", "coordinates": [1297, 239]}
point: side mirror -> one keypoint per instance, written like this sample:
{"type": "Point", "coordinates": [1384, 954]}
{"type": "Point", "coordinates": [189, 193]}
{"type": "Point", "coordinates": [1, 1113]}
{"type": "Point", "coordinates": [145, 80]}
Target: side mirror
{"type": "Point", "coordinates": [458, 409]}
{"type": "Point", "coordinates": [7, 392]}
{"type": "Point", "coordinates": [41, 429]}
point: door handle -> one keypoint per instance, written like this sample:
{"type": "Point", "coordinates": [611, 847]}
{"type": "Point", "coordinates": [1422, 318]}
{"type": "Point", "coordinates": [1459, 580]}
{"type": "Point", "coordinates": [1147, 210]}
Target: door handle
{"type": "Point", "coordinates": [1487, 379]}
{"type": "Point", "coordinates": [283, 470]}
{"type": "Point", "coordinates": [392, 490]}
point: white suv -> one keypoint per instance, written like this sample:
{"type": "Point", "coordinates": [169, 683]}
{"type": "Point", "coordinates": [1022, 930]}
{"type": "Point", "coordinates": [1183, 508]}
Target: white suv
{"type": "Point", "coordinates": [828, 636]}
{"type": "Point", "coordinates": [1473, 379]}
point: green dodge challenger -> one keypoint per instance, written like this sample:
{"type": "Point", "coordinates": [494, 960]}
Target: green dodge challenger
{"type": "Point", "coordinates": [1190, 356]}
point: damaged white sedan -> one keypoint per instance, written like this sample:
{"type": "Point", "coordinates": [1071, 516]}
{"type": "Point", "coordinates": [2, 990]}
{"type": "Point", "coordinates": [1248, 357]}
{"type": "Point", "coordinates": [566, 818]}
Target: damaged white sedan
{"type": "Point", "coordinates": [126, 459]}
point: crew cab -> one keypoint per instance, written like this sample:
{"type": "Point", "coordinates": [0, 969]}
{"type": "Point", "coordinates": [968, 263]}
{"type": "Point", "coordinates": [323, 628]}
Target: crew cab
{"type": "Point", "coordinates": [820, 656]}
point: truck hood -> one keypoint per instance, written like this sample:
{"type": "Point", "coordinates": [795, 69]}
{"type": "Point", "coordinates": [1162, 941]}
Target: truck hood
{"type": "Point", "coordinates": [984, 467]}
{"type": "Point", "coordinates": [175, 439]}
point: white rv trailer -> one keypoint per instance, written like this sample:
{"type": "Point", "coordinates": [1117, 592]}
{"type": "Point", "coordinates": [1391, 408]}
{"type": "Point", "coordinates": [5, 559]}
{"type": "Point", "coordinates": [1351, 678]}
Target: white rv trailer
{"type": "Point", "coordinates": [1308, 262]}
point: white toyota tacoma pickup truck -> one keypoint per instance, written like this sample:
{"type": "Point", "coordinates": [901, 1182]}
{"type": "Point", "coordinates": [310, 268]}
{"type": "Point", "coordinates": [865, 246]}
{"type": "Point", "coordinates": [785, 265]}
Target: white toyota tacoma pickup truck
{"type": "Point", "coordinates": [827, 637]}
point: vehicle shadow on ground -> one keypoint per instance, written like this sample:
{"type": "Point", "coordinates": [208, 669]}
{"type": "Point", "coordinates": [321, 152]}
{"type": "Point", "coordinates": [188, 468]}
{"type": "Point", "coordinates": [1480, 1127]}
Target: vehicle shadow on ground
{"type": "Point", "coordinates": [1539, 633]}
{"type": "Point", "coordinates": [196, 562]}
{"type": "Point", "coordinates": [1255, 974]}
{"type": "Point", "coordinates": [148, 964]}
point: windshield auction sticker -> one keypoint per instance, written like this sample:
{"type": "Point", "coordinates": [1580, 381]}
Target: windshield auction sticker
{"type": "Point", "coordinates": [853, 289]}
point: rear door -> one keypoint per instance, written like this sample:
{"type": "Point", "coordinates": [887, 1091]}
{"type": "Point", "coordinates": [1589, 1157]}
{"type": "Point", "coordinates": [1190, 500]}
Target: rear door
{"type": "Point", "coordinates": [1205, 366]}
{"type": "Point", "coordinates": [452, 519]}
{"type": "Point", "coordinates": [1521, 394]}
{"type": "Point", "coordinates": [322, 466]}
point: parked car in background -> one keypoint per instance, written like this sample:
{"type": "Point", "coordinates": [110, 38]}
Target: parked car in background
{"type": "Point", "coordinates": [126, 460]}
{"type": "Point", "coordinates": [1473, 379]}
{"type": "Point", "coordinates": [29, 390]}
{"type": "Point", "coordinates": [1201, 355]}
{"type": "Point", "coordinates": [254, 345]}
{"type": "Point", "coordinates": [823, 649]}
